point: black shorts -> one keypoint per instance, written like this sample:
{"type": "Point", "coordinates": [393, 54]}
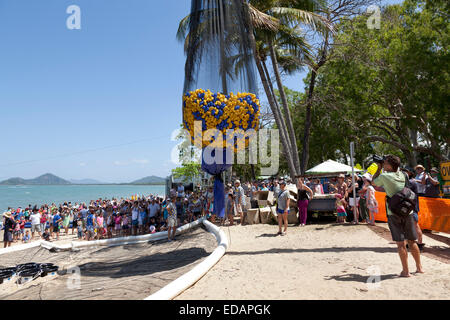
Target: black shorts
{"type": "Point", "coordinates": [55, 228]}
{"type": "Point", "coordinates": [402, 228]}
{"type": "Point", "coordinates": [7, 236]}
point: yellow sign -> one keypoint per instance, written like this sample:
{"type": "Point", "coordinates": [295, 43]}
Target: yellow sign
{"type": "Point", "coordinates": [445, 171]}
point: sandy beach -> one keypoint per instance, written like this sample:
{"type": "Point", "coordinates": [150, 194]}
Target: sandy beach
{"type": "Point", "coordinates": [321, 261]}
{"type": "Point", "coordinates": [318, 261]}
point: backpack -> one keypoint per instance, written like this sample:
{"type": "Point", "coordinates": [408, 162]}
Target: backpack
{"type": "Point", "coordinates": [404, 202]}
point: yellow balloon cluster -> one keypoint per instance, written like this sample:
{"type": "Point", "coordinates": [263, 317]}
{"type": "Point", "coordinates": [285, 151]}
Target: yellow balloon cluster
{"type": "Point", "coordinates": [239, 112]}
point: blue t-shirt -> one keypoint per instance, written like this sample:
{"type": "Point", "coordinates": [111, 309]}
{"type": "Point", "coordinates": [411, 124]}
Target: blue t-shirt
{"type": "Point", "coordinates": [84, 213]}
{"type": "Point", "coordinates": [55, 219]}
{"type": "Point", "coordinates": [90, 220]}
{"type": "Point", "coordinates": [142, 215]}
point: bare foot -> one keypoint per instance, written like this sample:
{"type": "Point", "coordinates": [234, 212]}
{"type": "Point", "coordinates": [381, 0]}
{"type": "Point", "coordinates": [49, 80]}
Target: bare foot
{"type": "Point", "coordinates": [405, 274]}
{"type": "Point", "coordinates": [420, 271]}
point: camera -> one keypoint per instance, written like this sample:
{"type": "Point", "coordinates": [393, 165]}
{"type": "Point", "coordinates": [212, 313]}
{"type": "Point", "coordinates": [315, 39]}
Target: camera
{"type": "Point", "coordinates": [378, 159]}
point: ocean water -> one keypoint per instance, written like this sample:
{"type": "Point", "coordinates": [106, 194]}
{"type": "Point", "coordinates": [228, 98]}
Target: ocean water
{"type": "Point", "coordinates": [22, 196]}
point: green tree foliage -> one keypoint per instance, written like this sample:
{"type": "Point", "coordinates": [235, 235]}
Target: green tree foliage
{"type": "Point", "coordinates": [390, 86]}
{"type": "Point", "coordinates": [187, 171]}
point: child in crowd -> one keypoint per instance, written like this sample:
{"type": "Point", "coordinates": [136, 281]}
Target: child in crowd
{"type": "Point", "coordinates": [340, 207]}
{"type": "Point", "coordinates": [16, 231]}
{"type": "Point", "coordinates": [79, 229]}
{"type": "Point", "coordinates": [117, 223]}
{"type": "Point", "coordinates": [99, 224]}
{"type": "Point", "coordinates": [229, 208]}
{"type": "Point", "coordinates": [125, 225]}
{"type": "Point", "coordinates": [46, 235]}
{"type": "Point", "coordinates": [372, 203]}
{"type": "Point", "coordinates": [26, 237]}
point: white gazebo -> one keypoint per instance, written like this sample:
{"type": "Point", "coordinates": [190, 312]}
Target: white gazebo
{"type": "Point", "coordinates": [330, 168]}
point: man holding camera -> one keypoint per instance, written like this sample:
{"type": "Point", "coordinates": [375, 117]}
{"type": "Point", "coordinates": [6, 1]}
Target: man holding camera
{"type": "Point", "coordinates": [393, 181]}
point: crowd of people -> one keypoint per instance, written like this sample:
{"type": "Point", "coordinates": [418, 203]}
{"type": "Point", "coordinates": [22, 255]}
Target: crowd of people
{"type": "Point", "coordinates": [105, 218]}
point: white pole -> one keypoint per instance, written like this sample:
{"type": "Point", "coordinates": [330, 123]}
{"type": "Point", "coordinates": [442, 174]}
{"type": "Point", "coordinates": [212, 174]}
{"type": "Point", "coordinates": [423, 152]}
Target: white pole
{"type": "Point", "coordinates": [352, 154]}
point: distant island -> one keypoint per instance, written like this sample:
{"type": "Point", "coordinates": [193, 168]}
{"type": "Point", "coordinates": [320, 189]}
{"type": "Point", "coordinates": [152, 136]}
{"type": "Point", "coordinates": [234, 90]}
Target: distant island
{"type": "Point", "coordinates": [50, 179]}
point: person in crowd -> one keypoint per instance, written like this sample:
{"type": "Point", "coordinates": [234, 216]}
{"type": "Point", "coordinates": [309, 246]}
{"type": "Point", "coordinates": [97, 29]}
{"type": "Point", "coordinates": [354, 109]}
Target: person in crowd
{"type": "Point", "coordinates": [90, 234]}
{"type": "Point", "coordinates": [135, 218]}
{"type": "Point", "coordinates": [16, 232]}
{"type": "Point", "coordinates": [353, 200]}
{"type": "Point", "coordinates": [253, 194]}
{"type": "Point", "coordinates": [393, 181]}
{"type": "Point", "coordinates": [66, 219]}
{"type": "Point", "coordinates": [340, 208]}
{"type": "Point", "coordinates": [432, 184]}
{"type": "Point", "coordinates": [229, 208]}
{"type": "Point", "coordinates": [9, 224]}
{"type": "Point", "coordinates": [99, 224]}
{"type": "Point", "coordinates": [239, 198]}
{"type": "Point", "coordinates": [317, 187]}
{"type": "Point", "coordinates": [283, 202]}
{"type": "Point", "coordinates": [370, 199]}
{"type": "Point", "coordinates": [44, 216]}
{"type": "Point", "coordinates": [79, 225]}
{"type": "Point", "coordinates": [22, 226]}
{"type": "Point", "coordinates": [125, 224]}
{"type": "Point", "coordinates": [363, 210]}
{"type": "Point", "coordinates": [57, 219]}
{"type": "Point", "coordinates": [26, 237]}
{"type": "Point", "coordinates": [171, 219]}
{"type": "Point", "coordinates": [35, 223]}
{"type": "Point", "coordinates": [304, 194]}
{"type": "Point", "coordinates": [413, 184]}
{"type": "Point", "coordinates": [420, 179]}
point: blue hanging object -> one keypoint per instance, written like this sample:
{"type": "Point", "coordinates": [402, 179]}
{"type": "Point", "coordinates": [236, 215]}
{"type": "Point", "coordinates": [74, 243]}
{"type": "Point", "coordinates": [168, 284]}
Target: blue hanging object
{"type": "Point", "coordinates": [216, 169]}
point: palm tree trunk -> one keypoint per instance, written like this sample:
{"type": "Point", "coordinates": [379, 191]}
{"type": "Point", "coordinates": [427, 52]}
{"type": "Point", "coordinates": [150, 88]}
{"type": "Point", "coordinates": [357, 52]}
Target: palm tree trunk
{"type": "Point", "coordinates": [282, 125]}
{"type": "Point", "coordinates": [270, 98]}
{"type": "Point", "coordinates": [287, 112]}
{"type": "Point", "coordinates": [307, 129]}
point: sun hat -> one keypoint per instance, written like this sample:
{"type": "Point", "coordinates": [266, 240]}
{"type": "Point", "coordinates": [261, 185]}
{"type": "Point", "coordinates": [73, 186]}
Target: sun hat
{"type": "Point", "coordinates": [419, 166]}
{"type": "Point", "coordinates": [341, 176]}
{"type": "Point", "coordinates": [7, 214]}
{"type": "Point", "coordinates": [367, 176]}
{"type": "Point", "coordinates": [237, 182]}
{"type": "Point", "coordinates": [407, 169]}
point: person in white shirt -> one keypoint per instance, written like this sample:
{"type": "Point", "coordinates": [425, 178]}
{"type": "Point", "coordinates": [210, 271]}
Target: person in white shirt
{"type": "Point", "coordinates": [421, 186]}
{"type": "Point", "coordinates": [153, 209]}
{"type": "Point", "coordinates": [35, 218]}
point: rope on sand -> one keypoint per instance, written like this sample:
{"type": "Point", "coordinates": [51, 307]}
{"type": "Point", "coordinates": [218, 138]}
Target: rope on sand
{"type": "Point", "coordinates": [184, 282]}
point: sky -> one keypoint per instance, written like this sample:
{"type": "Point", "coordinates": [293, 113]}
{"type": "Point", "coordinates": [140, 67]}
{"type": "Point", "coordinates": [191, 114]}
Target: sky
{"type": "Point", "coordinates": [101, 102]}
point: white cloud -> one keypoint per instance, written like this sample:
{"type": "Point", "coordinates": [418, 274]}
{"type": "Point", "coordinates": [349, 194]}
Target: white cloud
{"type": "Point", "coordinates": [143, 161]}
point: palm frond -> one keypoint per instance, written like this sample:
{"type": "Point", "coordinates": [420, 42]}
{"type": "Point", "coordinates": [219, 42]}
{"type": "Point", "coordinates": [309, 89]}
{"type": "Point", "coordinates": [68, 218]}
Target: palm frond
{"type": "Point", "coordinates": [294, 16]}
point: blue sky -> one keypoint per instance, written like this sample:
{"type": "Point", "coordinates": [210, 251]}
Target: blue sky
{"type": "Point", "coordinates": [100, 102]}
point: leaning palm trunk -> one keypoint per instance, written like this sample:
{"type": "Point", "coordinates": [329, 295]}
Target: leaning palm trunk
{"type": "Point", "coordinates": [276, 110]}
{"type": "Point", "coordinates": [287, 113]}
{"type": "Point", "coordinates": [283, 137]}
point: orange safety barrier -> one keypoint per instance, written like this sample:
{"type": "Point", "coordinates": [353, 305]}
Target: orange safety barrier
{"type": "Point", "coordinates": [434, 213]}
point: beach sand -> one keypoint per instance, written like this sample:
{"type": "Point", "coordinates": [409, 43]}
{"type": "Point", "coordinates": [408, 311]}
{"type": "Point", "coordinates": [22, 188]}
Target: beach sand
{"type": "Point", "coordinates": [130, 272]}
{"type": "Point", "coordinates": [322, 261]}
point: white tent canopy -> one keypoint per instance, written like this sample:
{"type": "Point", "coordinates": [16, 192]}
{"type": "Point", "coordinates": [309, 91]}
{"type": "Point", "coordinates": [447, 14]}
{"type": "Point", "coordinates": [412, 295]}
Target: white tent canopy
{"type": "Point", "coordinates": [331, 167]}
